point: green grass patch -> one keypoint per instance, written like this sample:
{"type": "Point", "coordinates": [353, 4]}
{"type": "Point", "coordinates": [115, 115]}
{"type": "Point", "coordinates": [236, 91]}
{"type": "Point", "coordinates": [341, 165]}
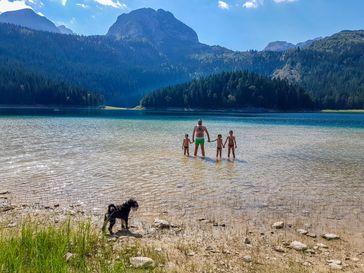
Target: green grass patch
{"type": "Point", "coordinates": [37, 249]}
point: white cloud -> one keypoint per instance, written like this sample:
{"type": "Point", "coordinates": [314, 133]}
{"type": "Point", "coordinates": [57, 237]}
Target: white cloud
{"type": "Point", "coordinates": [252, 4]}
{"type": "Point", "coordinates": [284, 1]}
{"type": "Point", "coordinates": [82, 5]}
{"type": "Point", "coordinates": [64, 2]}
{"type": "Point", "coordinates": [111, 3]}
{"type": "Point", "coordinates": [223, 5]}
{"type": "Point", "coordinates": [6, 5]}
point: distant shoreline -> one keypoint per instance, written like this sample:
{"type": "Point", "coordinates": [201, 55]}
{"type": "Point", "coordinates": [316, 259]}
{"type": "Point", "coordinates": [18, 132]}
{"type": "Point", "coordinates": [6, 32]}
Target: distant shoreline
{"type": "Point", "coordinates": [351, 111]}
{"type": "Point", "coordinates": [173, 109]}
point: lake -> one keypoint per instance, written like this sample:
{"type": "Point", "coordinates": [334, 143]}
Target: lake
{"type": "Point", "coordinates": [288, 165]}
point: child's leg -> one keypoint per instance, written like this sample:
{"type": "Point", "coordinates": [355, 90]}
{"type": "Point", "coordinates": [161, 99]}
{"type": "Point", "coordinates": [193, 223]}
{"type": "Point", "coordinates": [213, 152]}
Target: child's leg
{"type": "Point", "coordinates": [229, 151]}
{"type": "Point", "coordinates": [217, 153]}
{"type": "Point", "coordinates": [220, 153]}
{"type": "Point", "coordinates": [188, 151]}
{"type": "Point", "coordinates": [184, 151]}
{"type": "Point", "coordinates": [196, 149]}
{"type": "Point", "coordinates": [233, 150]}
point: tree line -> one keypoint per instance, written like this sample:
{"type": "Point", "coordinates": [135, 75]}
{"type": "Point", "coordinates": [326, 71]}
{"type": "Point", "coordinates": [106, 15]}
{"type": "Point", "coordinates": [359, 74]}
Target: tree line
{"type": "Point", "coordinates": [231, 90]}
{"type": "Point", "coordinates": [19, 87]}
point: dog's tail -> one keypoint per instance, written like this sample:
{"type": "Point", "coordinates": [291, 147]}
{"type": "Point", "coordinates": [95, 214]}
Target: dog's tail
{"type": "Point", "coordinates": [110, 210]}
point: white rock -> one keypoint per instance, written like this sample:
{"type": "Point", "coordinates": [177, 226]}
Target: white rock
{"type": "Point", "coordinates": [158, 223]}
{"type": "Point", "coordinates": [355, 259]}
{"type": "Point", "coordinates": [247, 258]}
{"type": "Point", "coordinates": [12, 225]}
{"type": "Point", "coordinates": [191, 253]}
{"type": "Point", "coordinates": [335, 262]}
{"type": "Point", "coordinates": [302, 231]}
{"type": "Point", "coordinates": [278, 225]}
{"type": "Point", "coordinates": [298, 245]}
{"type": "Point", "coordinates": [321, 245]}
{"type": "Point", "coordinates": [330, 236]}
{"type": "Point", "coordinates": [141, 262]}
{"type": "Point", "coordinates": [68, 256]}
{"type": "Point", "coordinates": [279, 249]}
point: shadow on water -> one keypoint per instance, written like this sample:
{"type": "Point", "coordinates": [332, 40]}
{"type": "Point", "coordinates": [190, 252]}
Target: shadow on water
{"type": "Point", "coordinates": [214, 160]}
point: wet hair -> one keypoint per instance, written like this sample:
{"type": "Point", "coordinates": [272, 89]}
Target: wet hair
{"type": "Point", "coordinates": [219, 136]}
{"type": "Point", "coordinates": [231, 132]}
{"type": "Point", "coordinates": [186, 135]}
{"type": "Point", "coordinates": [199, 122]}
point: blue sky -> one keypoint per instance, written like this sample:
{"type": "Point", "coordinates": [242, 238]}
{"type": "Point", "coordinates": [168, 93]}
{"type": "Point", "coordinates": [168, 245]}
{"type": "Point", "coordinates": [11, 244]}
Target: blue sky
{"type": "Point", "coordinates": [235, 24]}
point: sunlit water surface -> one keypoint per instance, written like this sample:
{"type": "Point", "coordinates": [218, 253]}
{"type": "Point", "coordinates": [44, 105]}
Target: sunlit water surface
{"type": "Point", "coordinates": [287, 164]}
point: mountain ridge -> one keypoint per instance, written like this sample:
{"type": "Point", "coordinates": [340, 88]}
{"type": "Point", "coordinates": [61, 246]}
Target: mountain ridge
{"type": "Point", "coordinates": [124, 70]}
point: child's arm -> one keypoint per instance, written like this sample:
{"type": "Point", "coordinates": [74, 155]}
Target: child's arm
{"type": "Point", "coordinates": [190, 141]}
{"type": "Point", "coordinates": [183, 144]}
{"type": "Point", "coordinates": [226, 141]}
{"type": "Point", "coordinates": [213, 140]}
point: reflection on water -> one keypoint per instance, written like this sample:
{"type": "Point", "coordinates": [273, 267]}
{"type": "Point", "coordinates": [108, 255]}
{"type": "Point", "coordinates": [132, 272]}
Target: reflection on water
{"type": "Point", "coordinates": [95, 161]}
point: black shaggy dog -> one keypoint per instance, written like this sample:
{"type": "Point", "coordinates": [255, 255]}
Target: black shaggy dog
{"type": "Point", "coordinates": [121, 212]}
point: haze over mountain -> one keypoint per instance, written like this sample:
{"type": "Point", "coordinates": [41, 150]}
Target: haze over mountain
{"type": "Point", "coordinates": [28, 18]}
{"type": "Point", "coordinates": [148, 49]}
{"type": "Point", "coordinates": [65, 30]}
{"type": "Point", "coordinates": [280, 46]}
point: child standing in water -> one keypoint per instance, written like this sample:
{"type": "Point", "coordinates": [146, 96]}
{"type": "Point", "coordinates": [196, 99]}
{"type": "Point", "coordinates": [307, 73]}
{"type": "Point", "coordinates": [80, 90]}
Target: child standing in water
{"type": "Point", "coordinates": [186, 145]}
{"type": "Point", "coordinates": [219, 145]}
{"type": "Point", "coordinates": [232, 144]}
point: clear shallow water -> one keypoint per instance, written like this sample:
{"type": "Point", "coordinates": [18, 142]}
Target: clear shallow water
{"type": "Point", "coordinates": [287, 164]}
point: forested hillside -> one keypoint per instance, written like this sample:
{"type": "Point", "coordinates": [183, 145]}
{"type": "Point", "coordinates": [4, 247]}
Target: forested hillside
{"type": "Point", "coordinates": [18, 87]}
{"type": "Point", "coordinates": [234, 90]}
{"type": "Point", "coordinates": [331, 69]}
{"type": "Point", "coordinates": [128, 62]}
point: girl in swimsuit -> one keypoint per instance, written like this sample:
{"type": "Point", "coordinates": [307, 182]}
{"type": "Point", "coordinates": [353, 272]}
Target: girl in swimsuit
{"type": "Point", "coordinates": [232, 144]}
{"type": "Point", "coordinates": [219, 146]}
{"type": "Point", "coordinates": [186, 145]}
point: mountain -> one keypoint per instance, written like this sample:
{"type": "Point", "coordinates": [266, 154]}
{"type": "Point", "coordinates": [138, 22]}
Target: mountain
{"type": "Point", "coordinates": [308, 43]}
{"type": "Point", "coordinates": [331, 70]}
{"type": "Point", "coordinates": [280, 46]}
{"type": "Point", "coordinates": [232, 90]}
{"type": "Point", "coordinates": [122, 70]}
{"type": "Point", "coordinates": [157, 27]}
{"type": "Point", "coordinates": [28, 18]}
{"type": "Point", "coordinates": [64, 30]}
{"type": "Point", "coordinates": [130, 62]}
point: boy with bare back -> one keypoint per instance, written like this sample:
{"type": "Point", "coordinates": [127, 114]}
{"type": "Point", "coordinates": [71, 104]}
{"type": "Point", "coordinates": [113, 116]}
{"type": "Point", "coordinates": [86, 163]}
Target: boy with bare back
{"type": "Point", "coordinates": [186, 145]}
{"type": "Point", "coordinates": [219, 145]}
{"type": "Point", "coordinates": [231, 144]}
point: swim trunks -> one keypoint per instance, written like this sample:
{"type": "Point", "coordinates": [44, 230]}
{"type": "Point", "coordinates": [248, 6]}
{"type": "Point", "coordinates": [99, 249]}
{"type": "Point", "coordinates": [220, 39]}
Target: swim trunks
{"type": "Point", "coordinates": [200, 140]}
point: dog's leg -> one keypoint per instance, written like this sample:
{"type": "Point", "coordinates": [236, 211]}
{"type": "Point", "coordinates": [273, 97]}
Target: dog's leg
{"type": "Point", "coordinates": [112, 223]}
{"type": "Point", "coordinates": [123, 223]}
{"type": "Point", "coordinates": [106, 219]}
{"type": "Point", "coordinates": [126, 224]}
